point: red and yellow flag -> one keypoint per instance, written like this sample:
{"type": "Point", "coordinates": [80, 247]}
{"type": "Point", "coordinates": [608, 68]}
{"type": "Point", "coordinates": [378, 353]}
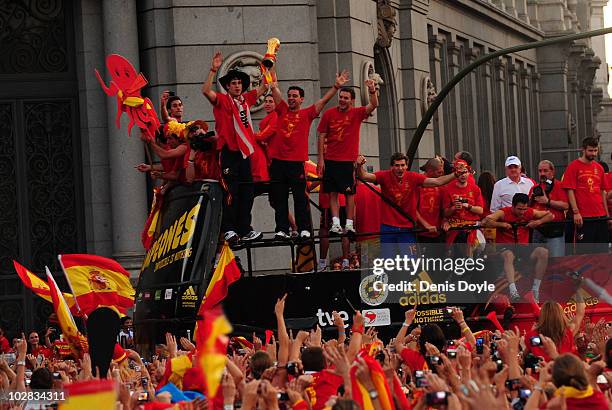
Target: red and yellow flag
{"type": "Point", "coordinates": [40, 287]}
{"type": "Point", "coordinates": [148, 233]}
{"type": "Point", "coordinates": [211, 344]}
{"type": "Point", "coordinates": [78, 342]}
{"type": "Point", "coordinates": [360, 393]}
{"type": "Point", "coordinates": [91, 394]}
{"type": "Point", "coordinates": [226, 273]}
{"type": "Point", "coordinates": [97, 281]}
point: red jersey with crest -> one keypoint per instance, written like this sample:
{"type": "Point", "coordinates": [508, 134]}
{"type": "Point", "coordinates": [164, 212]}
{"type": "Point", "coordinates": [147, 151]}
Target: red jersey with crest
{"type": "Point", "coordinates": [506, 235]}
{"type": "Point", "coordinates": [471, 193]}
{"type": "Point", "coordinates": [324, 385]}
{"type": "Point", "coordinates": [290, 142]}
{"type": "Point", "coordinates": [342, 129]}
{"type": "Point", "coordinates": [587, 181]}
{"type": "Point", "coordinates": [401, 192]}
{"type": "Point", "coordinates": [429, 205]}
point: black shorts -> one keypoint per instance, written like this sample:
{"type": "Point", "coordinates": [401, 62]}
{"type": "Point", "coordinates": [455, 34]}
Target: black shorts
{"type": "Point", "coordinates": [339, 176]}
{"type": "Point", "coordinates": [522, 252]}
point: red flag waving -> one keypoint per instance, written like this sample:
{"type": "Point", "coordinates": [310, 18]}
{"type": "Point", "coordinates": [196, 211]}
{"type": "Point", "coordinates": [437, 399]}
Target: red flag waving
{"type": "Point", "coordinates": [211, 343]}
{"type": "Point", "coordinates": [40, 287]}
{"type": "Point", "coordinates": [360, 393]}
{"type": "Point", "coordinates": [226, 273]}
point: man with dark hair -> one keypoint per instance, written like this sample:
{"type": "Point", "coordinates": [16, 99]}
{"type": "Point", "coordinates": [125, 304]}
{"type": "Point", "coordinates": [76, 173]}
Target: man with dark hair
{"type": "Point", "coordinates": [288, 150]}
{"type": "Point", "coordinates": [171, 107]}
{"type": "Point", "coordinates": [585, 185]}
{"type": "Point", "coordinates": [234, 129]}
{"type": "Point", "coordinates": [550, 195]}
{"type": "Point", "coordinates": [513, 224]}
{"type": "Point", "coordinates": [398, 185]}
{"type": "Point", "coordinates": [338, 149]}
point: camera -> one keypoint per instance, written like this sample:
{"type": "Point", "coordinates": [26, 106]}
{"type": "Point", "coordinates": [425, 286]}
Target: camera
{"type": "Point", "coordinates": [282, 396]}
{"type": "Point", "coordinates": [451, 353]}
{"type": "Point", "coordinates": [531, 361]}
{"type": "Point", "coordinates": [380, 356]}
{"type": "Point", "coordinates": [524, 394]}
{"type": "Point", "coordinates": [535, 341]}
{"type": "Point", "coordinates": [434, 360]}
{"type": "Point", "coordinates": [143, 396]}
{"type": "Point", "coordinates": [479, 345]}
{"type": "Point", "coordinates": [144, 382]}
{"type": "Point", "coordinates": [513, 384]}
{"type": "Point", "coordinates": [57, 376]}
{"type": "Point", "coordinates": [436, 398]}
{"type": "Point", "coordinates": [500, 365]}
{"type": "Point", "coordinates": [201, 141]}
{"type": "Point", "coordinates": [537, 191]}
{"type": "Point", "coordinates": [293, 369]}
{"type": "Point", "coordinates": [419, 379]}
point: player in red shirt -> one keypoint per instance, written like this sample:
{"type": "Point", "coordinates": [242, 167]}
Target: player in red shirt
{"type": "Point", "coordinates": [398, 185]}
{"type": "Point", "coordinates": [429, 203]}
{"type": "Point", "coordinates": [338, 149]}
{"type": "Point", "coordinates": [288, 150]}
{"type": "Point", "coordinates": [236, 140]}
{"type": "Point", "coordinates": [503, 220]}
{"type": "Point", "coordinates": [260, 161]}
{"type": "Point", "coordinates": [203, 157]}
{"type": "Point", "coordinates": [584, 182]}
{"type": "Point", "coordinates": [550, 195]}
{"type": "Point", "coordinates": [462, 204]}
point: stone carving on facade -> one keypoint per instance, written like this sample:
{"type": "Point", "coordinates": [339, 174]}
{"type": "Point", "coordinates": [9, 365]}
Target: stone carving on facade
{"type": "Point", "coordinates": [368, 73]}
{"type": "Point", "coordinates": [385, 14]}
{"type": "Point", "coordinates": [572, 128]}
{"type": "Point", "coordinates": [248, 62]}
{"type": "Point", "coordinates": [428, 93]}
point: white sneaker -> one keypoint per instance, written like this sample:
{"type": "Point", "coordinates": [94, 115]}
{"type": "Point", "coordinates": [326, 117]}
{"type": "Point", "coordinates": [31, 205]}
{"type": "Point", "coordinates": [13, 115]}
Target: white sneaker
{"type": "Point", "coordinates": [252, 236]}
{"type": "Point", "coordinates": [281, 236]}
{"type": "Point", "coordinates": [336, 229]}
{"type": "Point", "coordinates": [515, 297]}
{"type": "Point", "coordinates": [349, 229]}
{"type": "Point", "coordinates": [231, 237]}
{"type": "Point", "coordinates": [322, 266]}
{"type": "Point", "coordinates": [305, 234]}
{"type": "Point", "coordinates": [345, 264]}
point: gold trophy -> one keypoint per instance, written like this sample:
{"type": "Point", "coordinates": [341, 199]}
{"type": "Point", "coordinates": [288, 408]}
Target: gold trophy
{"type": "Point", "coordinates": [270, 57]}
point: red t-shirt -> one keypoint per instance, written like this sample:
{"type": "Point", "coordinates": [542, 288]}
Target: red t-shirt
{"type": "Point", "coordinates": [567, 344]}
{"type": "Point", "coordinates": [471, 192]}
{"type": "Point", "coordinates": [206, 165]}
{"type": "Point", "coordinates": [267, 127]}
{"type": "Point", "coordinates": [429, 206]}
{"type": "Point", "coordinates": [324, 385]}
{"type": "Point", "coordinates": [507, 235]}
{"type": "Point", "coordinates": [367, 210]}
{"type": "Point", "coordinates": [290, 142]}
{"type": "Point", "coordinates": [403, 194]}
{"type": "Point", "coordinates": [41, 350]}
{"type": "Point", "coordinates": [587, 181]}
{"type": "Point", "coordinates": [342, 129]}
{"type": "Point", "coordinates": [608, 189]}
{"type": "Point", "coordinates": [5, 346]}
{"type": "Point", "coordinates": [259, 164]}
{"type": "Point", "coordinates": [557, 194]}
{"type": "Point", "coordinates": [223, 110]}
{"type": "Point", "coordinates": [413, 359]}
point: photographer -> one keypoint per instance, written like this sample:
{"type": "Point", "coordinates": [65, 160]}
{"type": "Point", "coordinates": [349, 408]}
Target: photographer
{"type": "Point", "coordinates": [203, 158]}
{"type": "Point", "coordinates": [550, 195]}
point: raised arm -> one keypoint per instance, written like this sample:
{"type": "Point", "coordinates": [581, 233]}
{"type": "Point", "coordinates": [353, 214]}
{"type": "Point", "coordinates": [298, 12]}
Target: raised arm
{"type": "Point", "coordinates": [363, 174]}
{"type": "Point", "coordinates": [263, 87]}
{"type": "Point", "coordinates": [163, 100]}
{"type": "Point", "coordinates": [401, 334]}
{"type": "Point", "coordinates": [341, 79]}
{"type": "Point", "coordinates": [443, 180]}
{"type": "Point", "coordinates": [373, 101]}
{"type": "Point", "coordinates": [207, 86]}
{"type": "Point", "coordinates": [283, 336]}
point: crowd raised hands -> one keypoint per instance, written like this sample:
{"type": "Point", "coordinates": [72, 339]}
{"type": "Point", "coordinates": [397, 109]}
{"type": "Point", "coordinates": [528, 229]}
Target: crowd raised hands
{"type": "Point", "coordinates": [351, 367]}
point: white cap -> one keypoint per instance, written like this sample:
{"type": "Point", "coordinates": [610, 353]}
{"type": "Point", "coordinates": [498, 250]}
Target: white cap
{"type": "Point", "coordinates": [513, 160]}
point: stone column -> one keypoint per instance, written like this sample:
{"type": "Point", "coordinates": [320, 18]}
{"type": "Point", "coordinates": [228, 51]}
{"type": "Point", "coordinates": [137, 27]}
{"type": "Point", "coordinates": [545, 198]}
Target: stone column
{"type": "Point", "coordinates": [472, 140]}
{"type": "Point", "coordinates": [500, 119]}
{"type": "Point", "coordinates": [535, 110]}
{"type": "Point", "coordinates": [522, 11]}
{"type": "Point", "coordinates": [551, 15]}
{"type": "Point", "coordinates": [525, 118]}
{"type": "Point", "coordinates": [128, 187]}
{"type": "Point", "coordinates": [511, 7]}
{"type": "Point", "coordinates": [532, 11]}
{"type": "Point", "coordinates": [513, 109]}
{"type": "Point", "coordinates": [598, 44]}
{"type": "Point", "coordinates": [488, 97]}
{"type": "Point", "coordinates": [456, 106]}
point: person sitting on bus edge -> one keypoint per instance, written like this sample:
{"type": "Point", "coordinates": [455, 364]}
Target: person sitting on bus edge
{"type": "Point", "coordinates": [550, 195]}
{"type": "Point", "coordinates": [515, 239]}
{"type": "Point", "coordinates": [398, 185]}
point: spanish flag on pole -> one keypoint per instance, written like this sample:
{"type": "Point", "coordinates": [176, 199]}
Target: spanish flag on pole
{"type": "Point", "coordinates": [40, 287]}
{"type": "Point", "coordinates": [226, 273]}
{"type": "Point", "coordinates": [97, 281]}
{"type": "Point", "coordinates": [360, 393]}
{"type": "Point", "coordinates": [91, 394]}
{"type": "Point", "coordinates": [211, 344]}
{"type": "Point", "coordinates": [78, 342]}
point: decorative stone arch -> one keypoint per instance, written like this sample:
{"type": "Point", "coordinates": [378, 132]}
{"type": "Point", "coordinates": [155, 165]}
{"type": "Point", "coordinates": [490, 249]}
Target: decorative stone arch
{"type": "Point", "coordinates": [387, 112]}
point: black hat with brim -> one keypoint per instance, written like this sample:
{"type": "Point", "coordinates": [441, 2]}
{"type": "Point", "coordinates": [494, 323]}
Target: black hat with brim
{"type": "Point", "coordinates": [232, 74]}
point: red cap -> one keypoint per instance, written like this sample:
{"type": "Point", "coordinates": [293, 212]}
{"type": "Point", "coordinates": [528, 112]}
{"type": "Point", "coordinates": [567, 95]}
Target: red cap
{"type": "Point", "coordinates": [119, 354]}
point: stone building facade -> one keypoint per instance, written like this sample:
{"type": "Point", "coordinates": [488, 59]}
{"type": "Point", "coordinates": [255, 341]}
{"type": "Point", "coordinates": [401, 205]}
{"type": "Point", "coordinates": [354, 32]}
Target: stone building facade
{"type": "Point", "coordinates": [71, 186]}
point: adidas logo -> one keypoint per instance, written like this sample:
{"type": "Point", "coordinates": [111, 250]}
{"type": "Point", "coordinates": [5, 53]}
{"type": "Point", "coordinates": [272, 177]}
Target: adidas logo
{"type": "Point", "coordinates": [189, 294]}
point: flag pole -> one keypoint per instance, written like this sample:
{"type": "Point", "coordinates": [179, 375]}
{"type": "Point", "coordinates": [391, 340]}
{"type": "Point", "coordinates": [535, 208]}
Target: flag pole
{"type": "Point", "coordinates": [76, 302]}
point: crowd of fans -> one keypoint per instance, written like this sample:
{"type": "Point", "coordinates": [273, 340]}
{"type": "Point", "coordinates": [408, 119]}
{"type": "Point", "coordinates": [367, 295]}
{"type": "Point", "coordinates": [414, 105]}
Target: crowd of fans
{"type": "Point", "coordinates": [559, 363]}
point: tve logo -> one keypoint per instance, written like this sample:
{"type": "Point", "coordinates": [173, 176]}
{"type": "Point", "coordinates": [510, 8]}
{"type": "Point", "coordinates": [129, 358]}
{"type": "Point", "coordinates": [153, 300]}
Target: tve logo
{"type": "Point", "coordinates": [377, 317]}
{"type": "Point", "coordinates": [327, 319]}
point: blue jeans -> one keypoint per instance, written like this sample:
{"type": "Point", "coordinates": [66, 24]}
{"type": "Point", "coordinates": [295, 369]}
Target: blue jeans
{"type": "Point", "coordinates": [395, 242]}
{"type": "Point", "coordinates": [556, 246]}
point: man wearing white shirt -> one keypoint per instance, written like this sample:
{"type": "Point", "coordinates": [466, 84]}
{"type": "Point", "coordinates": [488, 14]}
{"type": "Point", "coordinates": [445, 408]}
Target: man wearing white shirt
{"type": "Point", "coordinates": [514, 183]}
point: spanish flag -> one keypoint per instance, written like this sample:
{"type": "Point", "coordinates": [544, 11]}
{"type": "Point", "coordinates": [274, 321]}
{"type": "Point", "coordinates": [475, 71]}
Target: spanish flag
{"type": "Point", "coordinates": [78, 342]}
{"type": "Point", "coordinates": [211, 343]}
{"type": "Point", "coordinates": [91, 394]}
{"type": "Point", "coordinates": [360, 393]}
{"type": "Point", "coordinates": [151, 224]}
{"type": "Point", "coordinates": [40, 287]}
{"type": "Point", "coordinates": [226, 273]}
{"type": "Point", "coordinates": [98, 281]}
